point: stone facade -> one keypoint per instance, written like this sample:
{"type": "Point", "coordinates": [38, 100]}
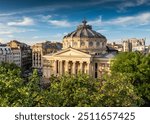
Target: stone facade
{"type": "Point", "coordinates": [40, 49]}
{"type": "Point", "coordinates": [134, 44]}
{"type": "Point", "coordinates": [85, 39]}
{"type": "Point", "coordinates": [73, 61]}
{"type": "Point", "coordinates": [116, 46]}
{"type": "Point", "coordinates": [6, 54]}
{"type": "Point", "coordinates": [84, 51]}
{"type": "Point", "coordinates": [21, 54]}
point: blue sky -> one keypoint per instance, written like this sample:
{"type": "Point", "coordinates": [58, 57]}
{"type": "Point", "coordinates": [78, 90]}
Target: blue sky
{"type": "Point", "coordinates": [33, 21]}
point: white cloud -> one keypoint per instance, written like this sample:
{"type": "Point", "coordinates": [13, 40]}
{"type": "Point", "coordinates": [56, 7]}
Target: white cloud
{"type": "Point", "coordinates": [25, 22]}
{"type": "Point", "coordinates": [96, 22]}
{"type": "Point", "coordinates": [5, 32]}
{"type": "Point", "coordinates": [35, 37]}
{"type": "Point", "coordinates": [127, 4]}
{"type": "Point", "coordinates": [60, 23]}
{"type": "Point", "coordinates": [135, 20]}
{"type": "Point", "coordinates": [43, 18]}
{"type": "Point", "coordinates": [102, 30]}
{"type": "Point", "coordinates": [47, 17]}
{"type": "Point", "coordinates": [10, 36]}
{"type": "Point", "coordinates": [140, 19]}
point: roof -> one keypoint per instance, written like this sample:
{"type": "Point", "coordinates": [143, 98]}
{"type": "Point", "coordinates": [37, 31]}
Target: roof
{"type": "Point", "coordinates": [107, 55]}
{"type": "Point", "coordinates": [84, 30]}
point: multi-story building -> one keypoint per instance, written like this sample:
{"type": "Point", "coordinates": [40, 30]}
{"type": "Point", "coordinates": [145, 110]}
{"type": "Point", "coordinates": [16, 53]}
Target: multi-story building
{"type": "Point", "coordinates": [84, 50]}
{"type": "Point", "coordinates": [116, 46]}
{"type": "Point", "coordinates": [6, 54]}
{"type": "Point", "coordinates": [40, 49]}
{"type": "Point", "coordinates": [21, 54]}
{"type": "Point", "coordinates": [134, 44]}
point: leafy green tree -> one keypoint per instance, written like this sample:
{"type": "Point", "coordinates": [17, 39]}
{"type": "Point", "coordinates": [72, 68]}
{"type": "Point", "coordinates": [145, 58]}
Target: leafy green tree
{"type": "Point", "coordinates": [136, 66]}
{"type": "Point", "coordinates": [83, 90]}
{"type": "Point", "coordinates": [69, 90]}
{"type": "Point", "coordinates": [10, 85]}
{"type": "Point", "coordinates": [117, 90]}
{"type": "Point", "coordinates": [33, 97]}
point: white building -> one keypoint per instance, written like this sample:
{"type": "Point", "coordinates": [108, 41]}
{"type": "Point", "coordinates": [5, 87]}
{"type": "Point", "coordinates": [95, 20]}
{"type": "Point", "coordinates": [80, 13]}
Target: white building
{"type": "Point", "coordinates": [21, 54]}
{"type": "Point", "coordinates": [16, 56]}
{"type": "Point", "coordinates": [134, 44]}
{"type": "Point", "coordinates": [6, 54]}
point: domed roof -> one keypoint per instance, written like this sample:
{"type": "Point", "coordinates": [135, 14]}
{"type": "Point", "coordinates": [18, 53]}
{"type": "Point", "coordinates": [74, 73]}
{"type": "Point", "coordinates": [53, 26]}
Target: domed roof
{"type": "Point", "coordinates": [84, 31]}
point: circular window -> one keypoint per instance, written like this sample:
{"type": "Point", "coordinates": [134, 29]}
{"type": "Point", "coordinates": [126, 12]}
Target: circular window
{"type": "Point", "coordinates": [91, 43]}
{"type": "Point", "coordinates": [82, 43]}
{"type": "Point", "coordinates": [97, 43]}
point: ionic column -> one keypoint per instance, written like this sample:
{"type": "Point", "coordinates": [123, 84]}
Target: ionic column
{"type": "Point", "coordinates": [39, 60]}
{"type": "Point", "coordinates": [36, 60]}
{"type": "Point", "coordinates": [81, 67]}
{"type": "Point", "coordinates": [60, 66]}
{"type": "Point", "coordinates": [93, 71]}
{"type": "Point", "coordinates": [89, 68]}
{"type": "Point", "coordinates": [66, 66]}
{"type": "Point", "coordinates": [74, 67]}
{"type": "Point", "coordinates": [55, 67]}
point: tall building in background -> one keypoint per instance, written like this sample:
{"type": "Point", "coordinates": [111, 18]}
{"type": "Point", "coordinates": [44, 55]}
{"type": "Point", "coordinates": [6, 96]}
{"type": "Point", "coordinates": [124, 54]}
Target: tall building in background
{"type": "Point", "coordinates": [134, 44]}
{"type": "Point", "coordinates": [22, 54]}
{"type": "Point", "coordinates": [84, 50]}
{"type": "Point", "coordinates": [40, 49]}
{"type": "Point", "coordinates": [6, 54]}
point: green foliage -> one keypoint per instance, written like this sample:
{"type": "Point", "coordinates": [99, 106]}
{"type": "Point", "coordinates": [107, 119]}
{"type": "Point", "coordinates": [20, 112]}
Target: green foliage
{"type": "Point", "coordinates": [117, 90]}
{"type": "Point", "coordinates": [10, 85]}
{"type": "Point", "coordinates": [83, 90]}
{"type": "Point", "coordinates": [125, 87]}
{"type": "Point", "coordinates": [136, 67]}
{"type": "Point", "coordinates": [69, 90]}
{"type": "Point", "coordinates": [34, 92]}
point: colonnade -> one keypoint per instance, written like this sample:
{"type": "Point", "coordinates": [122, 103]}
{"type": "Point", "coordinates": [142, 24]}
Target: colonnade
{"type": "Point", "coordinates": [61, 67]}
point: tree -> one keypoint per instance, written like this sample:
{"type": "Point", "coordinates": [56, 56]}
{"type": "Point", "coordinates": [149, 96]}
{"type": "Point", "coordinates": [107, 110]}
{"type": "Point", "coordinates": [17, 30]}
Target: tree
{"type": "Point", "coordinates": [117, 90]}
{"type": "Point", "coordinates": [136, 66]}
{"type": "Point", "coordinates": [10, 85]}
{"type": "Point", "coordinates": [70, 90]}
{"type": "Point", "coordinates": [34, 91]}
{"type": "Point", "coordinates": [83, 90]}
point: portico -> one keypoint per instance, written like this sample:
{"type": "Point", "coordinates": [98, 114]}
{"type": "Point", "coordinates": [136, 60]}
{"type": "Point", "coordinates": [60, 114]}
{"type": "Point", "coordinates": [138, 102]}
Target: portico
{"type": "Point", "coordinates": [60, 64]}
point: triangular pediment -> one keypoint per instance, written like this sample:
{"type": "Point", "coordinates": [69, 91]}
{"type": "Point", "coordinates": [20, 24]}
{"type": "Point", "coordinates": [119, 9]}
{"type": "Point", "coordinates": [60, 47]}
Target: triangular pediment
{"type": "Point", "coordinates": [70, 52]}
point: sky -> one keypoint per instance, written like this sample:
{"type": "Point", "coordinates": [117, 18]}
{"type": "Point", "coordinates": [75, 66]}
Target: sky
{"type": "Point", "coordinates": [32, 21]}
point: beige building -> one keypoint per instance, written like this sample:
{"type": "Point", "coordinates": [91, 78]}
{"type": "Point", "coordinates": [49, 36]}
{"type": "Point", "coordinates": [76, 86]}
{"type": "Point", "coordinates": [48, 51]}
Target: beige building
{"type": "Point", "coordinates": [115, 46]}
{"type": "Point", "coordinates": [40, 49]}
{"type": "Point", "coordinates": [84, 51]}
{"type": "Point", "coordinates": [134, 44]}
{"type": "Point", "coordinates": [21, 54]}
